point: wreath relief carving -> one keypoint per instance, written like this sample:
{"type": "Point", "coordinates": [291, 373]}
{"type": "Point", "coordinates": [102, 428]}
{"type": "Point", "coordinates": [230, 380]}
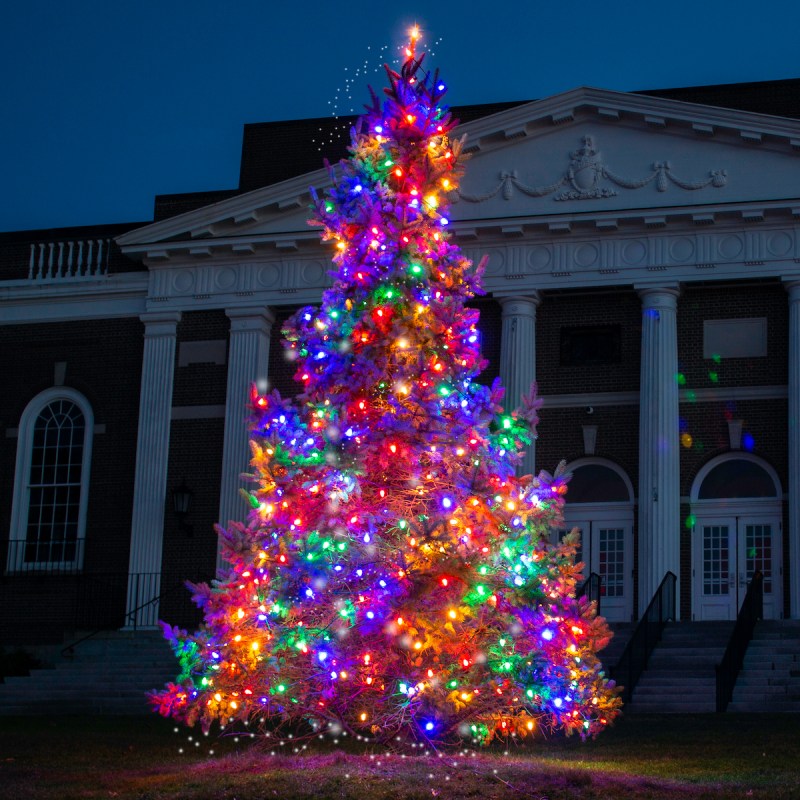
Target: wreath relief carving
{"type": "Point", "coordinates": [584, 175]}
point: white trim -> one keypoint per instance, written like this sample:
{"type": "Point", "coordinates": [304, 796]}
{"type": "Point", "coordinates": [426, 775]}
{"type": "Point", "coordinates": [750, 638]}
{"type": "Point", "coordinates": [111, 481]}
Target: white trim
{"type": "Point", "coordinates": [746, 509]}
{"type": "Point", "coordinates": [24, 302]}
{"type": "Point", "coordinates": [713, 394]}
{"type": "Point", "coordinates": [21, 495]}
{"type": "Point", "coordinates": [198, 412]}
{"type": "Point", "coordinates": [619, 514]}
{"type": "Point", "coordinates": [590, 399]}
{"type": "Point", "coordinates": [738, 455]}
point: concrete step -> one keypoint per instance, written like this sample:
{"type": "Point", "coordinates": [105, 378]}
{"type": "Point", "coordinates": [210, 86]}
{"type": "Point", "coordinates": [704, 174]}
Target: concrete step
{"type": "Point", "coordinates": [674, 687]}
{"type": "Point", "coordinates": [108, 674]}
{"type": "Point", "coordinates": [699, 707]}
{"type": "Point", "coordinates": [702, 671]}
{"type": "Point", "coordinates": [784, 707]}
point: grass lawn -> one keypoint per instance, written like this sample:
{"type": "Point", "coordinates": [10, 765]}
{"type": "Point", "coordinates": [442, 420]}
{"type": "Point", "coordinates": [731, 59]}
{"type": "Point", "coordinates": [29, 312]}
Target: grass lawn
{"type": "Point", "coordinates": [138, 758]}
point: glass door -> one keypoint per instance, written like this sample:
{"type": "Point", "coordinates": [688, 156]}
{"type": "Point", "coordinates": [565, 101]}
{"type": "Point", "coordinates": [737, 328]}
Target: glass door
{"type": "Point", "coordinates": [727, 553]}
{"type": "Point", "coordinates": [607, 549]}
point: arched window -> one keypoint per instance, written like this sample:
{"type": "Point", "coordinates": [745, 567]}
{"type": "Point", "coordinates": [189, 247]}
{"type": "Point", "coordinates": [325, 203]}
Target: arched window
{"type": "Point", "coordinates": [597, 483]}
{"type": "Point", "coordinates": [51, 482]}
{"type": "Point", "coordinates": [736, 477]}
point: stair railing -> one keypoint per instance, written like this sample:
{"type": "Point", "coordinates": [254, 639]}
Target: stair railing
{"type": "Point", "coordinates": [130, 618]}
{"type": "Point", "coordinates": [590, 589]}
{"type": "Point", "coordinates": [729, 668]}
{"type": "Point", "coordinates": [646, 635]}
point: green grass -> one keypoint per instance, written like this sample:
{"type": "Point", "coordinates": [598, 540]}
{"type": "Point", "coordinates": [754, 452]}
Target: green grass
{"type": "Point", "coordinates": [696, 757]}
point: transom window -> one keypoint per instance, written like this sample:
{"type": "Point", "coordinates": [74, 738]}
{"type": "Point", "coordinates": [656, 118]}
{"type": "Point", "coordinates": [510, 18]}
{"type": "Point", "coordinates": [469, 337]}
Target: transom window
{"type": "Point", "coordinates": [736, 477]}
{"type": "Point", "coordinates": [597, 483]}
{"type": "Point", "coordinates": [51, 482]}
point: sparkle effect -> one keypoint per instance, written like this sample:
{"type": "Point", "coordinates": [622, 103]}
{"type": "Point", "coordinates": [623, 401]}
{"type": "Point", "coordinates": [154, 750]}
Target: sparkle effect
{"type": "Point", "coordinates": [394, 576]}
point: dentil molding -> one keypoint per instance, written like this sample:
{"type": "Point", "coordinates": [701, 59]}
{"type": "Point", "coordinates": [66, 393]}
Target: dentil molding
{"type": "Point", "coordinates": [515, 267]}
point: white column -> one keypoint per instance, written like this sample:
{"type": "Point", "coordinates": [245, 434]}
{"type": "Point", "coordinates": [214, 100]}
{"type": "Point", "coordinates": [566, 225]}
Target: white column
{"type": "Point", "coordinates": [794, 449]}
{"type": "Point", "coordinates": [248, 361]}
{"type": "Point", "coordinates": [152, 450]}
{"type": "Point", "coordinates": [659, 469]}
{"type": "Point", "coordinates": [518, 357]}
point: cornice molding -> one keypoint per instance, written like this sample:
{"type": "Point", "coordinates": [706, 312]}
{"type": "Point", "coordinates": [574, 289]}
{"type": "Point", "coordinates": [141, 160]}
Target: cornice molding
{"type": "Point", "coordinates": [537, 260]}
{"type": "Point", "coordinates": [648, 110]}
{"type": "Point", "coordinates": [282, 199]}
{"type": "Point", "coordinates": [115, 296]}
{"type": "Point", "coordinates": [677, 219]}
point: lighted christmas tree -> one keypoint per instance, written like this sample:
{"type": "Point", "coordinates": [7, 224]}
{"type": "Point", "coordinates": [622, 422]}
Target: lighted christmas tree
{"type": "Point", "coordinates": [395, 577]}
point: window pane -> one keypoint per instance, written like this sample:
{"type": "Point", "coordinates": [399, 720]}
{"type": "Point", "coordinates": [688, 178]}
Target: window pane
{"type": "Point", "coordinates": [737, 478]}
{"type": "Point", "coordinates": [55, 483]}
{"type": "Point", "coordinates": [758, 541]}
{"type": "Point", "coordinates": [595, 483]}
{"type": "Point", "coordinates": [715, 559]}
{"type": "Point", "coordinates": [590, 346]}
{"type": "Point", "coordinates": [612, 543]}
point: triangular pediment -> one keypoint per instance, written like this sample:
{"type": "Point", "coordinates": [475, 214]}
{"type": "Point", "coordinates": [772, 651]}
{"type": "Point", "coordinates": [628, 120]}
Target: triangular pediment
{"type": "Point", "coordinates": [583, 152]}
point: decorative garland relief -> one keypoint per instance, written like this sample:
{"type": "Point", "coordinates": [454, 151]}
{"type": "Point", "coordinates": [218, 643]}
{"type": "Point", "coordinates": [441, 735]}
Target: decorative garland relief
{"type": "Point", "coordinates": [583, 179]}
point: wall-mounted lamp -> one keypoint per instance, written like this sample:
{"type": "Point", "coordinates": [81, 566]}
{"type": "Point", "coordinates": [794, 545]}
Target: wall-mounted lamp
{"type": "Point", "coordinates": [181, 503]}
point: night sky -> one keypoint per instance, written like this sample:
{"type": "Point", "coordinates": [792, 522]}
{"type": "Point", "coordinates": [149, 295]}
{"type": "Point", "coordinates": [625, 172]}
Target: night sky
{"type": "Point", "coordinates": [105, 104]}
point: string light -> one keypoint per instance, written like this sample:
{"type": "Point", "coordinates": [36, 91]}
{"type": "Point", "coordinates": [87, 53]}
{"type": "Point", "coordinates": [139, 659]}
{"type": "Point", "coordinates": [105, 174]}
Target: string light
{"type": "Point", "coordinates": [394, 573]}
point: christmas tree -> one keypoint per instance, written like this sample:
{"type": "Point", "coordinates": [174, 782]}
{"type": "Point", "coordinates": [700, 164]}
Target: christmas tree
{"type": "Point", "coordinates": [395, 577]}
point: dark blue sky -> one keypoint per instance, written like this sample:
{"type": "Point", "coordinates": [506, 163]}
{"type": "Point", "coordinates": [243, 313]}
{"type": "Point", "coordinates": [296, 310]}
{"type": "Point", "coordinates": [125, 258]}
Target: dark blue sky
{"type": "Point", "coordinates": [105, 104]}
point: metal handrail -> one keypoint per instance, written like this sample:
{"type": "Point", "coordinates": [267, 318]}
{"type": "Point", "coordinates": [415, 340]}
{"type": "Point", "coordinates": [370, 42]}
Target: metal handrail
{"type": "Point", "coordinates": [727, 671]}
{"type": "Point", "coordinates": [646, 635]}
{"type": "Point", "coordinates": [131, 618]}
{"type": "Point", "coordinates": [32, 557]}
{"type": "Point", "coordinates": [591, 588]}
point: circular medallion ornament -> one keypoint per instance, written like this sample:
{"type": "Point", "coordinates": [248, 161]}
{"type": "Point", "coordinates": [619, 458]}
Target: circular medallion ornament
{"type": "Point", "coordinates": [313, 273]}
{"type": "Point", "coordinates": [681, 249]}
{"type": "Point", "coordinates": [634, 252]}
{"type": "Point", "coordinates": [779, 244]}
{"type": "Point", "coordinates": [268, 276]}
{"type": "Point", "coordinates": [183, 281]}
{"type": "Point", "coordinates": [585, 255]}
{"type": "Point", "coordinates": [539, 259]}
{"type": "Point", "coordinates": [730, 247]}
{"type": "Point", "coordinates": [225, 279]}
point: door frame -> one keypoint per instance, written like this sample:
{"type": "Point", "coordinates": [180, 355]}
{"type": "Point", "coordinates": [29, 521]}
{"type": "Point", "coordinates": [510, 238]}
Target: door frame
{"type": "Point", "coordinates": [740, 511]}
{"type": "Point", "coordinates": [618, 512]}
{"type": "Point", "coordinates": [611, 515]}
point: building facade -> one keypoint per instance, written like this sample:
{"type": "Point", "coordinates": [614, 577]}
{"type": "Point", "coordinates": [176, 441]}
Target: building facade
{"type": "Point", "coordinates": [643, 268]}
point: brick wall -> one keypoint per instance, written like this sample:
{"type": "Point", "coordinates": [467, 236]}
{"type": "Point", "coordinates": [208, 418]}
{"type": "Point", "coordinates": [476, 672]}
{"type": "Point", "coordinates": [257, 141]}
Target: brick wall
{"type": "Point", "coordinates": [104, 359]}
{"type": "Point", "coordinates": [281, 370]}
{"type": "Point", "coordinates": [695, 305]}
{"type": "Point", "coordinates": [201, 383]}
{"type": "Point", "coordinates": [195, 456]}
{"type": "Point", "coordinates": [621, 307]}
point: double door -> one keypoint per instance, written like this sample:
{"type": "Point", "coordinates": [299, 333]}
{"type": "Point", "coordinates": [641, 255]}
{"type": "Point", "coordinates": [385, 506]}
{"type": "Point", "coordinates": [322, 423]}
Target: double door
{"type": "Point", "coordinates": [727, 552]}
{"type": "Point", "coordinates": [606, 548]}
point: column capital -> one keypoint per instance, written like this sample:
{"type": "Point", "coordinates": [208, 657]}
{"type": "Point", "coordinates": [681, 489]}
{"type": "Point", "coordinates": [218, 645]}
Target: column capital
{"type": "Point", "coordinates": [520, 305]}
{"type": "Point", "coordinates": [792, 285]}
{"type": "Point", "coordinates": [160, 323]}
{"type": "Point", "coordinates": [252, 318]}
{"type": "Point", "coordinates": [659, 295]}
